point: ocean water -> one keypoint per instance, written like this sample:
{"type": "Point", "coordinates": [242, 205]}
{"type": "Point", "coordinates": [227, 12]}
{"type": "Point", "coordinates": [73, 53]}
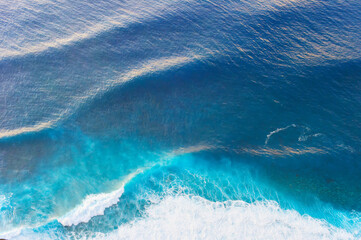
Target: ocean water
{"type": "Point", "coordinates": [181, 119]}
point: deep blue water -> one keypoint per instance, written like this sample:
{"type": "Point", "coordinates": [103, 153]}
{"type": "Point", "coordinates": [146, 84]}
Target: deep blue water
{"type": "Point", "coordinates": [180, 119]}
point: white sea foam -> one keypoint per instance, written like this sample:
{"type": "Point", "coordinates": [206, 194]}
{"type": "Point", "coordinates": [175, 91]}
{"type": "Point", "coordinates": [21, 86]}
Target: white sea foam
{"type": "Point", "coordinates": [185, 217]}
{"type": "Point", "coordinates": [190, 217]}
{"type": "Point", "coordinates": [95, 204]}
{"type": "Point", "coordinates": [92, 205]}
{"type": "Point", "coordinates": [277, 131]}
{"type": "Point", "coordinates": [304, 137]}
{"type": "Point", "coordinates": [3, 201]}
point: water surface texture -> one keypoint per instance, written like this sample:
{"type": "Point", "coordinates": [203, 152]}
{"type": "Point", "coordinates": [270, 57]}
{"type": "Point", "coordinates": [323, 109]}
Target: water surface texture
{"type": "Point", "coordinates": [180, 119]}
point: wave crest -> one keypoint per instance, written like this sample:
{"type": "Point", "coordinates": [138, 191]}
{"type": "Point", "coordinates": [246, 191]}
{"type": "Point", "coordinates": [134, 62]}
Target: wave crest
{"type": "Point", "coordinates": [187, 217]}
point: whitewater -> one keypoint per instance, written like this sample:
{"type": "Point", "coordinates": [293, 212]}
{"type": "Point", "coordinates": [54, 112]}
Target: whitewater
{"type": "Point", "coordinates": [180, 119]}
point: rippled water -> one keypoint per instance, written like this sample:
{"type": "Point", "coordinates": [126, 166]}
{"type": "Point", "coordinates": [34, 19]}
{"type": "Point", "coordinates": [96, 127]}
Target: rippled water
{"type": "Point", "coordinates": [180, 119]}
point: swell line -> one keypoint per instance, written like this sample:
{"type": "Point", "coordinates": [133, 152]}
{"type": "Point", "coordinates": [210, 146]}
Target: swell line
{"type": "Point", "coordinates": [149, 67]}
{"type": "Point", "coordinates": [122, 20]}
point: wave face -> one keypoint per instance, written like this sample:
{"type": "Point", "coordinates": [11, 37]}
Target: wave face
{"type": "Point", "coordinates": [180, 119]}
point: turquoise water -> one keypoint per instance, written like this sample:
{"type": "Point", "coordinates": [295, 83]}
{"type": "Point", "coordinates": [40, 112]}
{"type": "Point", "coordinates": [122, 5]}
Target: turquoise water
{"type": "Point", "coordinates": [180, 120]}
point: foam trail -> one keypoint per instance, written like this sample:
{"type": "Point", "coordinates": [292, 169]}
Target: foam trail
{"type": "Point", "coordinates": [282, 152]}
{"type": "Point", "coordinates": [304, 138]}
{"type": "Point", "coordinates": [146, 68]}
{"type": "Point", "coordinates": [187, 217]}
{"type": "Point", "coordinates": [276, 131]}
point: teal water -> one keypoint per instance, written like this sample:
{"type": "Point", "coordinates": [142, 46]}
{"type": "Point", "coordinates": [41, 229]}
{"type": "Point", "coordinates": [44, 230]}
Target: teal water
{"type": "Point", "coordinates": [180, 120]}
